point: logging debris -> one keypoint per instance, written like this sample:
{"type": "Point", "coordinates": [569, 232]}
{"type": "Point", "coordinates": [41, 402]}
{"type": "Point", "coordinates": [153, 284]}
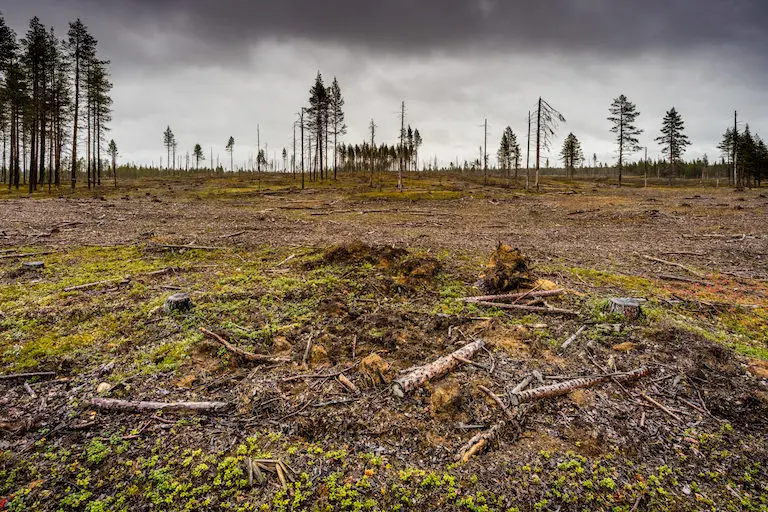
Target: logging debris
{"type": "Point", "coordinates": [508, 269]}
{"type": "Point", "coordinates": [246, 356]}
{"type": "Point", "coordinates": [113, 404]}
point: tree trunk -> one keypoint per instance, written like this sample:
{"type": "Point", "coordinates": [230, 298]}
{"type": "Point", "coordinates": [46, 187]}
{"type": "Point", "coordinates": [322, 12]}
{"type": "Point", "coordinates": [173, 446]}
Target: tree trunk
{"type": "Point", "coordinates": [443, 365]}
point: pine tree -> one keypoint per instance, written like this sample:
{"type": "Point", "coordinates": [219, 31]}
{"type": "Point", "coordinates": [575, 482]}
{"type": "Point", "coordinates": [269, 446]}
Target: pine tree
{"type": "Point", "coordinates": [571, 154]}
{"type": "Point", "coordinates": [417, 142]}
{"type": "Point", "coordinates": [197, 153]}
{"type": "Point", "coordinates": [231, 149]}
{"type": "Point", "coordinates": [502, 155]}
{"type": "Point", "coordinates": [336, 111]}
{"type": "Point", "coordinates": [623, 116]}
{"type": "Point", "coordinates": [112, 152]}
{"type": "Point", "coordinates": [726, 146]}
{"type": "Point", "coordinates": [168, 141]}
{"type": "Point", "coordinates": [672, 139]}
{"type": "Point", "coordinates": [82, 50]}
{"type": "Point", "coordinates": [318, 113]}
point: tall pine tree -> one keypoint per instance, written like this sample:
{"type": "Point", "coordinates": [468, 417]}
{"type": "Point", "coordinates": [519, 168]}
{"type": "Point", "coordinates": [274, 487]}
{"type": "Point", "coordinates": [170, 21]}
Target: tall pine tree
{"type": "Point", "coordinates": [623, 116]}
{"type": "Point", "coordinates": [672, 139]}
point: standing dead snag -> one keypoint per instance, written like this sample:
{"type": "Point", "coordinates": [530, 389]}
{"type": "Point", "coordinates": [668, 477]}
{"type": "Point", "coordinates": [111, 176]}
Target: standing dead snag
{"type": "Point", "coordinates": [563, 388]}
{"type": "Point", "coordinates": [445, 364]}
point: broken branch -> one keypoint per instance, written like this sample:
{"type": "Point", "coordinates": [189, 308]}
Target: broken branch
{"type": "Point", "coordinates": [537, 309]}
{"type": "Point", "coordinates": [672, 263]}
{"type": "Point", "coordinates": [247, 356]}
{"type": "Point", "coordinates": [573, 337]}
{"type": "Point", "coordinates": [14, 376]}
{"type": "Point", "coordinates": [478, 442]}
{"type": "Point", "coordinates": [493, 396]}
{"type": "Point", "coordinates": [111, 404]}
{"type": "Point", "coordinates": [518, 296]}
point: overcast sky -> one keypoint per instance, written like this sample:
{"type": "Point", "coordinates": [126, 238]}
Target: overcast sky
{"type": "Point", "coordinates": [214, 69]}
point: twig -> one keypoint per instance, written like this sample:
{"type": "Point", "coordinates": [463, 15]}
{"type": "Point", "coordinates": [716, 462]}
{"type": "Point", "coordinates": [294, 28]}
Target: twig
{"type": "Point", "coordinates": [672, 263]}
{"type": "Point", "coordinates": [527, 294]}
{"type": "Point", "coordinates": [661, 406]}
{"type": "Point", "coordinates": [507, 296]}
{"type": "Point", "coordinates": [493, 396]}
{"type": "Point", "coordinates": [111, 404]}
{"type": "Point", "coordinates": [317, 375]}
{"type": "Point", "coordinates": [15, 255]}
{"type": "Point", "coordinates": [196, 247]}
{"type": "Point", "coordinates": [554, 311]}
{"type": "Point", "coordinates": [14, 376]}
{"type": "Point", "coordinates": [523, 384]}
{"type": "Point", "coordinates": [233, 235]}
{"type": "Point", "coordinates": [286, 260]}
{"type": "Point", "coordinates": [28, 389]}
{"type": "Point", "coordinates": [247, 356]}
{"type": "Point", "coordinates": [573, 337]}
{"type": "Point", "coordinates": [94, 284]}
{"type": "Point", "coordinates": [669, 277]}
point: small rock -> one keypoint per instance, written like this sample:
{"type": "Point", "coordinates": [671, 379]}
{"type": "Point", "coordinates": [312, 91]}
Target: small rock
{"type": "Point", "coordinates": [103, 388]}
{"type": "Point", "coordinates": [178, 302]}
{"type": "Point", "coordinates": [32, 265]}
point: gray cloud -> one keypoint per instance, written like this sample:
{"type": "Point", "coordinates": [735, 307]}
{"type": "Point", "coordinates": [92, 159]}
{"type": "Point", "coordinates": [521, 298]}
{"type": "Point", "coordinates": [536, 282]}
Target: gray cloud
{"type": "Point", "coordinates": [215, 69]}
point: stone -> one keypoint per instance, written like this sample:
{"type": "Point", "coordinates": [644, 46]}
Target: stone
{"type": "Point", "coordinates": [178, 302]}
{"type": "Point", "coordinates": [103, 387]}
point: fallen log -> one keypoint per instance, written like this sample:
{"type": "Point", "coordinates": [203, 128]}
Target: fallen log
{"type": "Point", "coordinates": [536, 309]}
{"type": "Point", "coordinates": [443, 365]}
{"type": "Point", "coordinates": [507, 296]}
{"type": "Point", "coordinates": [195, 247]}
{"type": "Point", "coordinates": [14, 376]}
{"type": "Point", "coordinates": [246, 356]}
{"type": "Point", "coordinates": [478, 443]}
{"type": "Point", "coordinates": [112, 404]}
{"type": "Point", "coordinates": [563, 388]}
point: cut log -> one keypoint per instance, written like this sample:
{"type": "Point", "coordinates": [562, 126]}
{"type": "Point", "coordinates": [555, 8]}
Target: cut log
{"type": "Point", "coordinates": [478, 442]}
{"type": "Point", "coordinates": [111, 404]}
{"type": "Point", "coordinates": [247, 356]}
{"type": "Point", "coordinates": [32, 265]}
{"type": "Point", "coordinates": [508, 296]}
{"type": "Point", "coordinates": [520, 307]}
{"type": "Point", "coordinates": [563, 388]}
{"type": "Point", "coordinates": [440, 367]}
{"type": "Point", "coordinates": [178, 302]}
{"type": "Point", "coordinates": [25, 376]}
{"type": "Point", "coordinates": [628, 308]}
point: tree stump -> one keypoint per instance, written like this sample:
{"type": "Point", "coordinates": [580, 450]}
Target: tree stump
{"type": "Point", "coordinates": [32, 265]}
{"type": "Point", "coordinates": [178, 302]}
{"type": "Point", "coordinates": [630, 309]}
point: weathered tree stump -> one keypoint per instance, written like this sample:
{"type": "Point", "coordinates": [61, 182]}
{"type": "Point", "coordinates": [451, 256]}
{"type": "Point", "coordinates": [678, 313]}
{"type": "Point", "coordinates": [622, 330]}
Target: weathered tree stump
{"type": "Point", "coordinates": [178, 302]}
{"type": "Point", "coordinates": [630, 309]}
{"type": "Point", "coordinates": [32, 265]}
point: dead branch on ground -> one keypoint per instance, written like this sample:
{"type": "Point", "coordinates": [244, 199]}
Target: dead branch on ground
{"type": "Point", "coordinates": [112, 404]}
{"type": "Point", "coordinates": [246, 356]}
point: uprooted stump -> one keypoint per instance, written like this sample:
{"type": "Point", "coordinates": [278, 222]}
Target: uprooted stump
{"type": "Point", "coordinates": [178, 302]}
{"type": "Point", "coordinates": [508, 269]}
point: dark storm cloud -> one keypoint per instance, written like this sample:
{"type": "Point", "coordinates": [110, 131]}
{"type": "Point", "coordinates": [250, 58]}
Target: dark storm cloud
{"type": "Point", "coordinates": [414, 25]}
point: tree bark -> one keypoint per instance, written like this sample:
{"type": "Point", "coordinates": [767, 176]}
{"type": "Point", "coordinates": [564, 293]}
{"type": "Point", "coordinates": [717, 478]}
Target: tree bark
{"type": "Point", "coordinates": [566, 387]}
{"type": "Point", "coordinates": [443, 365]}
